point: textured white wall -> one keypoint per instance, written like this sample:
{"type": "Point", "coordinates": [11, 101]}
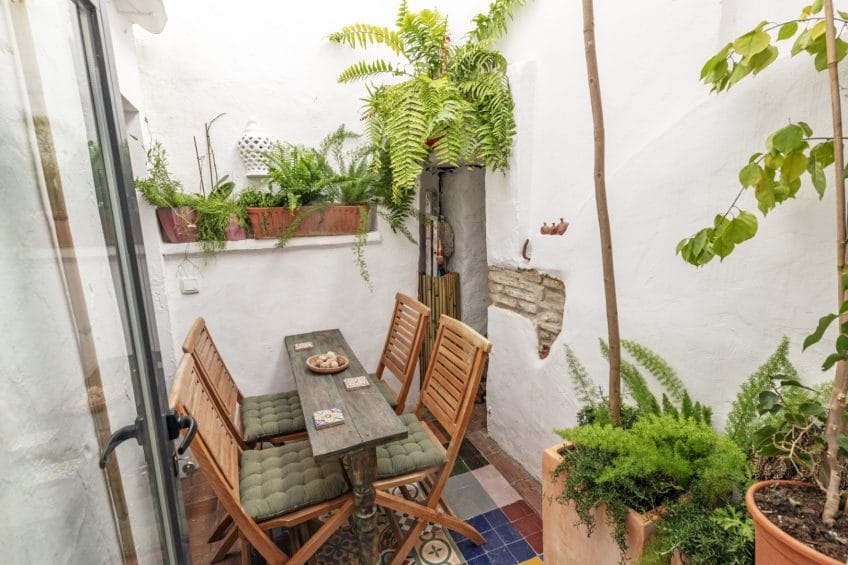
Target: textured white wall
{"type": "Point", "coordinates": [673, 155]}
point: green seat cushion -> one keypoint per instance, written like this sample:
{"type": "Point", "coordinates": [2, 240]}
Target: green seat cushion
{"type": "Point", "coordinates": [415, 453]}
{"type": "Point", "coordinates": [279, 480]}
{"type": "Point", "coordinates": [385, 391]}
{"type": "Point", "coordinates": [271, 415]}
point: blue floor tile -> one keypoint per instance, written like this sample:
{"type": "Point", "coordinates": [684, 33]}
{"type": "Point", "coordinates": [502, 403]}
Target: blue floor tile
{"type": "Point", "coordinates": [493, 541]}
{"type": "Point", "coordinates": [501, 556]}
{"type": "Point", "coordinates": [480, 523]}
{"type": "Point", "coordinates": [496, 517]}
{"type": "Point", "coordinates": [521, 551]}
{"type": "Point", "coordinates": [469, 550]}
{"type": "Point", "coordinates": [482, 560]}
{"type": "Point", "coordinates": [508, 533]}
{"type": "Point", "coordinates": [457, 537]}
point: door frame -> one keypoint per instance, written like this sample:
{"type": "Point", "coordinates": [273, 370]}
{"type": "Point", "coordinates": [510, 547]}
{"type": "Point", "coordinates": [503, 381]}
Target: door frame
{"type": "Point", "coordinates": [152, 399]}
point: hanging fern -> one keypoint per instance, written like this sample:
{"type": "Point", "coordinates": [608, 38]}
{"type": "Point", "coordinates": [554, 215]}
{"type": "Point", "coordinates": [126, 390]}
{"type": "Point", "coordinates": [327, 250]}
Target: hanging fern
{"type": "Point", "coordinates": [457, 102]}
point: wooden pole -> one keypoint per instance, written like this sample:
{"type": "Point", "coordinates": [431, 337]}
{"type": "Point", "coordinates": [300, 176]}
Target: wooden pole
{"type": "Point", "coordinates": [603, 214]}
{"type": "Point", "coordinates": [840, 383]}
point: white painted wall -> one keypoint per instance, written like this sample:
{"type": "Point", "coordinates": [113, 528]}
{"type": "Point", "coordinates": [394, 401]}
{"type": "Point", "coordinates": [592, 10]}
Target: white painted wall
{"type": "Point", "coordinates": [673, 156]}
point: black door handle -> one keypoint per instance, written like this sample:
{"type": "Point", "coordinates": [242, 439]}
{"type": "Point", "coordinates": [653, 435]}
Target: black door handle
{"type": "Point", "coordinates": [177, 423]}
{"type": "Point", "coordinates": [119, 437]}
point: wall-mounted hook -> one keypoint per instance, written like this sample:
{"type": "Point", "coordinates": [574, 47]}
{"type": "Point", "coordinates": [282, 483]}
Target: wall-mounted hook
{"type": "Point", "coordinates": [524, 250]}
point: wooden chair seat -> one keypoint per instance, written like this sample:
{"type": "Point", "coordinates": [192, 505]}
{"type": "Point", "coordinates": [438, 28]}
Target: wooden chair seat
{"type": "Point", "coordinates": [279, 480]}
{"type": "Point", "coordinates": [416, 452]}
{"type": "Point", "coordinates": [270, 416]}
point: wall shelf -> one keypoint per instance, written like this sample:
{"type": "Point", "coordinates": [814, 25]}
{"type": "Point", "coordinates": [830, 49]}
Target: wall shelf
{"type": "Point", "coordinates": [266, 245]}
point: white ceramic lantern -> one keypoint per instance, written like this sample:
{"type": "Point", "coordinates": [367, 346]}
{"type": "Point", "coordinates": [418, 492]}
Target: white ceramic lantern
{"type": "Point", "coordinates": [252, 144]}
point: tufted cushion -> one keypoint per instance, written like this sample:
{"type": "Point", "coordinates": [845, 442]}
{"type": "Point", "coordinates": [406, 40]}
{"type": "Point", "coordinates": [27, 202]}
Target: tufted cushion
{"type": "Point", "coordinates": [416, 452]}
{"type": "Point", "coordinates": [278, 480]}
{"type": "Point", "coordinates": [384, 390]}
{"type": "Point", "coordinates": [271, 415]}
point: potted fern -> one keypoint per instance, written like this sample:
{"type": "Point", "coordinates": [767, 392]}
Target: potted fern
{"type": "Point", "coordinates": [454, 99]}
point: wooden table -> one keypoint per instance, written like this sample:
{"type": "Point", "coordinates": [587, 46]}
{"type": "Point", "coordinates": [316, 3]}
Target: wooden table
{"type": "Point", "coordinates": [369, 422]}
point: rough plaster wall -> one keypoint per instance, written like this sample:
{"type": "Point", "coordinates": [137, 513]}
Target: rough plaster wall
{"type": "Point", "coordinates": [673, 155]}
{"type": "Point", "coordinates": [463, 205]}
{"type": "Point", "coordinates": [54, 506]}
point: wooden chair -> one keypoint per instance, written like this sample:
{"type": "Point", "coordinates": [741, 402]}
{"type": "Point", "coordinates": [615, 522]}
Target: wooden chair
{"type": "Point", "coordinates": [273, 418]}
{"type": "Point", "coordinates": [403, 345]}
{"type": "Point", "coordinates": [260, 490]}
{"type": "Point", "coordinates": [450, 387]}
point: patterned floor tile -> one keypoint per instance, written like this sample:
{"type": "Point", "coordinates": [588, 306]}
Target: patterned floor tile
{"type": "Point", "coordinates": [496, 486]}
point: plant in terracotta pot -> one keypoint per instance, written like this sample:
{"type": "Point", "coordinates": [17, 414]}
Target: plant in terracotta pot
{"type": "Point", "coordinates": [177, 217]}
{"type": "Point", "coordinates": [776, 175]}
{"type": "Point", "coordinates": [453, 99]}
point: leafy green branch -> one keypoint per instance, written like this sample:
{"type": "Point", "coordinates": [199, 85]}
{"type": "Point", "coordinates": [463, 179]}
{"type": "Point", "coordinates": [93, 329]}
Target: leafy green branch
{"type": "Point", "coordinates": [775, 177]}
{"type": "Point", "coordinates": [754, 50]}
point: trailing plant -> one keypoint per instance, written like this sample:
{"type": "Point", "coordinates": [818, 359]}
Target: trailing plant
{"type": "Point", "coordinates": [454, 100]}
{"type": "Point", "coordinates": [742, 418]}
{"type": "Point", "coordinates": [160, 189]}
{"type": "Point", "coordinates": [657, 461]}
{"type": "Point", "coordinates": [723, 535]}
{"type": "Point", "coordinates": [776, 173]}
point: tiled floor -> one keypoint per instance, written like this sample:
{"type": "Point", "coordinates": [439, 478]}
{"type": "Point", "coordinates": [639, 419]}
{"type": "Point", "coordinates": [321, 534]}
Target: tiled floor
{"type": "Point", "coordinates": [486, 488]}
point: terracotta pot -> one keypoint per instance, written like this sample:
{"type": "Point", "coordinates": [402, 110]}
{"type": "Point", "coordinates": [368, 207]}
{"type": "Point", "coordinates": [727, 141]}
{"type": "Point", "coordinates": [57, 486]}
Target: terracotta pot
{"type": "Point", "coordinates": [565, 540]}
{"type": "Point", "coordinates": [773, 546]}
{"type": "Point", "coordinates": [234, 231]}
{"type": "Point", "coordinates": [334, 220]}
{"type": "Point", "coordinates": [179, 225]}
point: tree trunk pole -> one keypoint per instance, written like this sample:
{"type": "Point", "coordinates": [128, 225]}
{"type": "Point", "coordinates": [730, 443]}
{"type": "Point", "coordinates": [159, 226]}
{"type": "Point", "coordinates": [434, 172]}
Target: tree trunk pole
{"type": "Point", "coordinates": [603, 214]}
{"type": "Point", "coordinates": [840, 383]}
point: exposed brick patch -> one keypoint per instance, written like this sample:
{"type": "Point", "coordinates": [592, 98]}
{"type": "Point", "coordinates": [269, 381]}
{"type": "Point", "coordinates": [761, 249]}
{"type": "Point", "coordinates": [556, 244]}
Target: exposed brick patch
{"type": "Point", "coordinates": [536, 296]}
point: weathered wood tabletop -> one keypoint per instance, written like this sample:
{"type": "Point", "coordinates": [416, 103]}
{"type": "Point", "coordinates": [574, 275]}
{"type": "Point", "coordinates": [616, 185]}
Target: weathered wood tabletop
{"type": "Point", "coordinates": [368, 422]}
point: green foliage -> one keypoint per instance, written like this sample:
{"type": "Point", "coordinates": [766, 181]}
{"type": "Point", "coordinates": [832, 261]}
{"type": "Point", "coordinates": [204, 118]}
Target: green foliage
{"type": "Point", "coordinates": [261, 199]}
{"type": "Point", "coordinates": [723, 536]}
{"type": "Point", "coordinates": [301, 174]}
{"type": "Point", "coordinates": [456, 97]}
{"type": "Point", "coordinates": [658, 367]}
{"type": "Point", "coordinates": [159, 188]}
{"type": "Point", "coordinates": [655, 462]}
{"type": "Point", "coordinates": [792, 426]}
{"type": "Point", "coordinates": [742, 419]}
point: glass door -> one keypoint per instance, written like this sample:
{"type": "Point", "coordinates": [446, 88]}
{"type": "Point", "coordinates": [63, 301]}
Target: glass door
{"type": "Point", "coordinates": [78, 363]}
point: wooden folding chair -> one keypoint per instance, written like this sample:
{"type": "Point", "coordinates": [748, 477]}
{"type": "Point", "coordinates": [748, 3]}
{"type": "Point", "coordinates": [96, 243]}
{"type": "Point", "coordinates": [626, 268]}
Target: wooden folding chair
{"type": "Point", "coordinates": [403, 345]}
{"type": "Point", "coordinates": [273, 418]}
{"type": "Point", "coordinates": [260, 490]}
{"type": "Point", "coordinates": [450, 387]}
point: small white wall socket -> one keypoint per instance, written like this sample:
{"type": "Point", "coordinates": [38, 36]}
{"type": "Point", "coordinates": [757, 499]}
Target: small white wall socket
{"type": "Point", "coordinates": [189, 285]}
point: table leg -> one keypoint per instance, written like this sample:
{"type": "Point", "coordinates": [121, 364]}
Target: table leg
{"type": "Point", "coordinates": [362, 470]}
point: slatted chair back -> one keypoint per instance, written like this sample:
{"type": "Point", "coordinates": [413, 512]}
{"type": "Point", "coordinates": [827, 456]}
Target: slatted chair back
{"type": "Point", "coordinates": [403, 343]}
{"type": "Point", "coordinates": [215, 446]}
{"type": "Point", "coordinates": [453, 376]}
{"type": "Point", "coordinates": [199, 344]}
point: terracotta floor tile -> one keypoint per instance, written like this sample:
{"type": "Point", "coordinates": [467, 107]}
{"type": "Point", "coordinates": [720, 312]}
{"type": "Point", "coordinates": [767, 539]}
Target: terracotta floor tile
{"type": "Point", "coordinates": [531, 491]}
{"type": "Point", "coordinates": [528, 525]}
{"type": "Point", "coordinates": [516, 510]}
{"type": "Point", "coordinates": [535, 542]}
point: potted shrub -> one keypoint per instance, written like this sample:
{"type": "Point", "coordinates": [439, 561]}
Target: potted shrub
{"type": "Point", "coordinates": [776, 175]}
{"type": "Point", "coordinates": [177, 217]}
{"type": "Point", "coordinates": [614, 481]}
{"type": "Point", "coordinates": [454, 99]}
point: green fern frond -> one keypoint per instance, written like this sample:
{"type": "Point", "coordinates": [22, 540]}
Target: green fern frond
{"type": "Point", "coordinates": [403, 10]}
{"type": "Point", "coordinates": [407, 129]}
{"type": "Point", "coordinates": [584, 388]}
{"type": "Point", "coordinates": [743, 413]}
{"type": "Point", "coordinates": [635, 384]}
{"type": "Point", "coordinates": [364, 69]}
{"type": "Point", "coordinates": [658, 367]}
{"type": "Point", "coordinates": [363, 35]}
{"type": "Point", "coordinates": [492, 25]}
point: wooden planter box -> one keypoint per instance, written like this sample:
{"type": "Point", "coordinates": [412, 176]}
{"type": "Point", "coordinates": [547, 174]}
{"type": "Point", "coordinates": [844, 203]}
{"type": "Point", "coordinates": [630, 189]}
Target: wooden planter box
{"type": "Point", "coordinates": [179, 225]}
{"type": "Point", "coordinates": [565, 540]}
{"type": "Point", "coordinates": [271, 223]}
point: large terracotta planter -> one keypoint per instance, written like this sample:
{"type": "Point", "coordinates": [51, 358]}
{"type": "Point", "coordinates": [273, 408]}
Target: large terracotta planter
{"type": "Point", "coordinates": [271, 223]}
{"type": "Point", "coordinates": [773, 546]}
{"type": "Point", "coordinates": [179, 225]}
{"type": "Point", "coordinates": [565, 540]}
